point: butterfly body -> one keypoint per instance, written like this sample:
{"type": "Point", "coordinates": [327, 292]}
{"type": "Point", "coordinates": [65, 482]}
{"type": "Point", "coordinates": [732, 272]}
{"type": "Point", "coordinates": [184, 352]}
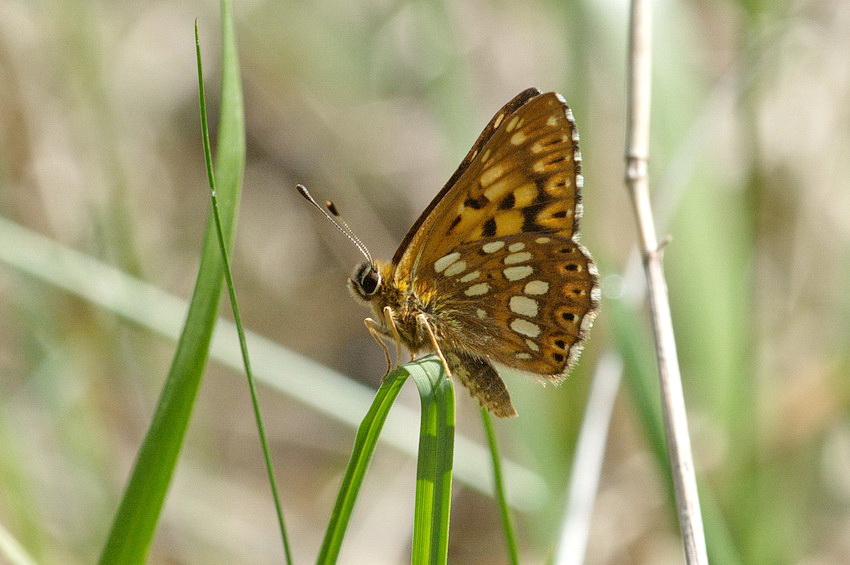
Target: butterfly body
{"type": "Point", "coordinates": [416, 314]}
{"type": "Point", "coordinates": [492, 273]}
{"type": "Point", "coordinates": [407, 300]}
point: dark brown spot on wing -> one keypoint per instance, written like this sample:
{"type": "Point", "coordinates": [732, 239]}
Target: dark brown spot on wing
{"type": "Point", "coordinates": [489, 228]}
{"type": "Point", "coordinates": [529, 218]}
{"type": "Point", "coordinates": [508, 202]}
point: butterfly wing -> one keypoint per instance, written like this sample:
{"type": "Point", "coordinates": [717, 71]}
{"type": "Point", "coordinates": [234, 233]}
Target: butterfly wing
{"type": "Point", "coordinates": [523, 174]}
{"type": "Point", "coordinates": [524, 302]}
{"type": "Point", "coordinates": [500, 243]}
{"type": "Point", "coordinates": [407, 251]}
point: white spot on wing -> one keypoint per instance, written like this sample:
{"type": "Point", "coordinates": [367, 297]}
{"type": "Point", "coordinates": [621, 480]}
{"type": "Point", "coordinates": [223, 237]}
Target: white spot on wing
{"type": "Point", "coordinates": [492, 246]}
{"type": "Point", "coordinates": [536, 287]}
{"type": "Point", "coordinates": [514, 247]}
{"type": "Point", "coordinates": [477, 289]}
{"type": "Point", "coordinates": [514, 258]}
{"type": "Point", "coordinates": [469, 277]}
{"type": "Point", "coordinates": [442, 263]}
{"type": "Point", "coordinates": [523, 355]}
{"type": "Point", "coordinates": [481, 314]}
{"type": "Point", "coordinates": [518, 138]}
{"type": "Point", "coordinates": [525, 327]}
{"type": "Point", "coordinates": [518, 273]}
{"type": "Point", "coordinates": [523, 305]}
{"type": "Point", "coordinates": [531, 345]}
{"type": "Point", "coordinates": [455, 268]}
{"type": "Point", "coordinates": [542, 240]}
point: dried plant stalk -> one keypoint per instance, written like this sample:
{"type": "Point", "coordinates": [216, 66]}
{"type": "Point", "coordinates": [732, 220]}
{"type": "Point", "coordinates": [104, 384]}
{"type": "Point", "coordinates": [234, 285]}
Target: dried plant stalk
{"type": "Point", "coordinates": [637, 183]}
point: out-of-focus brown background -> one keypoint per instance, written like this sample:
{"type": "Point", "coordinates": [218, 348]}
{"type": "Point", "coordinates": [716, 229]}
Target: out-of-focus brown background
{"type": "Point", "coordinates": [373, 104]}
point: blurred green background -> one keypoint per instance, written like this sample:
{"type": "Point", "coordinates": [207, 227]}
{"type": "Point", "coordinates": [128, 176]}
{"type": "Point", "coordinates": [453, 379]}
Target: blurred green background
{"type": "Point", "coordinates": [374, 104]}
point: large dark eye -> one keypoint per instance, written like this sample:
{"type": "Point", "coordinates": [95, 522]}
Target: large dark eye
{"type": "Point", "coordinates": [370, 281]}
{"type": "Point", "coordinates": [366, 279]}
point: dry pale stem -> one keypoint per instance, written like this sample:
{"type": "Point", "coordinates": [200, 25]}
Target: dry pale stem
{"type": "Point", "coordinates": [637, 183]}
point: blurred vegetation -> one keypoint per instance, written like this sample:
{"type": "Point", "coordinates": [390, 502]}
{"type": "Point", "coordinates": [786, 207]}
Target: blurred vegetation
{"type": "Point", "coordinates": [374, 104]}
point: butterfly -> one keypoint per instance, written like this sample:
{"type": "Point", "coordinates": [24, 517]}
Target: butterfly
{"type": "Point", "coordinates": [492, 273]}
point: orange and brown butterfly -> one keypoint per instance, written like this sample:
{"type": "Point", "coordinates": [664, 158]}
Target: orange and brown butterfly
{"type": "Point", "coordinates": [492, 273]}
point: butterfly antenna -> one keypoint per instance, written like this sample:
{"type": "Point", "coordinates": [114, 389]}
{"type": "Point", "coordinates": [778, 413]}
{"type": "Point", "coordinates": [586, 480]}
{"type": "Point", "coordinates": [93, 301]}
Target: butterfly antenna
{"type": "Point", "coordinates": [334, 217]}
{"type": "Point", "coordinates": [350, 232]}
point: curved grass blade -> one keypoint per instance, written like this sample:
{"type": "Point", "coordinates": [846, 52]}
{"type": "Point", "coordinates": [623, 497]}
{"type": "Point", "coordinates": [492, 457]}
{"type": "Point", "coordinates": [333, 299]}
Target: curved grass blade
{"type": "Point", "coordinates": [137, 516]}
{"type": "Point", "coordinates": [364, 446]}
{"type": "Point", "coordinates": [434, 466]}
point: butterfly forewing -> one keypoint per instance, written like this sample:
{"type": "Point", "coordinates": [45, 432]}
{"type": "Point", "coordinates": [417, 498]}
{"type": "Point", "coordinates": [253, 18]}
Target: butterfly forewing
{"type": "Point", "coordinates": [521, 178]}
{"type": "Point", "coordinates": [428, 215]}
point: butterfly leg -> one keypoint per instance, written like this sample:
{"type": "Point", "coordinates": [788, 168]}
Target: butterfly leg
{"type": "Point", "coordinates": [423, 320]}
{"type": "Point", "coordinates": [388, 316]}
{"type": "Point", "coordinates": [374, 331]}
{"type": "Point", "coordinates": [483, 382]}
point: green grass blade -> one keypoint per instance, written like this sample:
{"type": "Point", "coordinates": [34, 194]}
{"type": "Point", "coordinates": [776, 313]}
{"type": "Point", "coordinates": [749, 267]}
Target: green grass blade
{"type": "Point", "coordinates": [434, 469]}
{"type": "Point", "coordinates": [364, 446]}
{"type": "Point", "coordinates": [434, 466]}
{"type": "Point", "coordinates": [499, 483]}
{"type": "Point", "coordinates": [234, 303]}
{"type": "Point", "coordinates": [137, 516]}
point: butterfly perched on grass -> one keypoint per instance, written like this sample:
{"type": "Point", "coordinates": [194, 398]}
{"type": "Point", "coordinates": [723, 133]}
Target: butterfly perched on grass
{"type": "Point", "coordinates": [492, 273]}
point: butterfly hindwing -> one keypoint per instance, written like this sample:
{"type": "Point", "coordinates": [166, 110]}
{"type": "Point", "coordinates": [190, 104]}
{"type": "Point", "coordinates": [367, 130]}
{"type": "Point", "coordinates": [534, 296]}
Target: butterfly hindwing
{"type": "Point", "coordinates": [521, 300]}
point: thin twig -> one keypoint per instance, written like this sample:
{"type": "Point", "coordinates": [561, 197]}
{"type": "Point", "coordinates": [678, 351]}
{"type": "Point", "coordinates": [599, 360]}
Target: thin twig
{"type": "Point", "coordinates": [670, 380]}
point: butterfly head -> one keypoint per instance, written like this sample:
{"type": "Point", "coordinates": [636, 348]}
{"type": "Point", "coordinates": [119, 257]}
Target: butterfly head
{"type": "Point", "coordinates": [365, 282]}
